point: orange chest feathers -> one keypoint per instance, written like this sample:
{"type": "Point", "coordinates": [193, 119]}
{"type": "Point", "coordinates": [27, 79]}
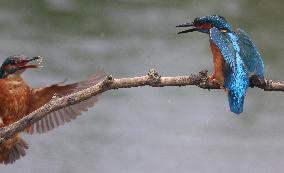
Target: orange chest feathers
{"type": "Point", "coordinates": [14, 99]}
{"type": "Point", "coordinates": [218, 61]}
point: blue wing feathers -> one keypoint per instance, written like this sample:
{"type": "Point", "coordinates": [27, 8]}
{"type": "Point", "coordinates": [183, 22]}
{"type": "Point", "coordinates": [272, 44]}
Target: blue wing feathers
{"type": "Point", "coordinates": [223, 44]}
{"type": "Point", "coordinates": [236, 101]}
{"type": "Point", "coordinates": [235, 72]}
{"type": "Point", "coordinates": [250, 54]}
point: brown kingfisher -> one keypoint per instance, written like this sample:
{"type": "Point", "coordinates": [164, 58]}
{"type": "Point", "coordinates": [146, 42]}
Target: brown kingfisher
{"type": "Point", "coordinates": [18, 99]}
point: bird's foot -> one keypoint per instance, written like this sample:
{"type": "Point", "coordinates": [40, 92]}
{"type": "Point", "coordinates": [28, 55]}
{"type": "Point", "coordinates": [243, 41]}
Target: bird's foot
{"type": "Point", "coordinates": [211, 78]}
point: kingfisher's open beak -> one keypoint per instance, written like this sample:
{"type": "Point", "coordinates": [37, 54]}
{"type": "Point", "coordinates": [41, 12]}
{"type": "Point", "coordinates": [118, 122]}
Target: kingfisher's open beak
{"type": "Point", "coordinates": [23, 63]}
{"type": "Point", "coordinates": [187, 25]}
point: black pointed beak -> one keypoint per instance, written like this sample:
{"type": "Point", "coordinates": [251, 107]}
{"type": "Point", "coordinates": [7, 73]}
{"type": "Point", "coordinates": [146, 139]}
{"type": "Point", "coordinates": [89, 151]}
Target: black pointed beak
{"type": "Point", "coordinates": [32, 58]}
{"type": "Point", "coordinates": [23, 64]}
{"type": "Point", "coordinates": [187, 25]}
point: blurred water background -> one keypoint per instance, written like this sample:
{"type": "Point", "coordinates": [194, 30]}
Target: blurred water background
{"type": "Point", "coordinates": [153, 130]}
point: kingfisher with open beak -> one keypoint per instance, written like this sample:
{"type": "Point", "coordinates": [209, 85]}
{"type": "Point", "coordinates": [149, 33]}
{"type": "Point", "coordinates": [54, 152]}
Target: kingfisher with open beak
{"type": "Point", "coordinates": [17, 100]}
{"type": "Point", "coordinates": [235, 57]}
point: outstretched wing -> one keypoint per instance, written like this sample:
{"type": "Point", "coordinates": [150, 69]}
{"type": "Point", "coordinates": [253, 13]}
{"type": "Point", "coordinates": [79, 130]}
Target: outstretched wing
{"type": "Point", "coordinates": [40, 96]}
{"type": "Point", "coordinates": [250, 54]}
{"type": "Point", "coordinates": [235, 73]}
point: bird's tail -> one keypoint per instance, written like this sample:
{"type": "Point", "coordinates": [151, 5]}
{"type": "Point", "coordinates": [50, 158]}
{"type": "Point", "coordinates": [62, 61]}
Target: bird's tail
{"type": "Point", "coordinates": [12, 149]}
{"type": "Point", "coordinates": [236, 101]}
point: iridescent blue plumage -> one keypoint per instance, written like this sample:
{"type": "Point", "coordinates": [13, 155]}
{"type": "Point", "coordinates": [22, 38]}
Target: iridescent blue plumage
{"type": "Point", "coordinates": [250, 54]}
{"type": "Point", "coordinates": [217, 21]}
{"type": "Point", "coordinates": [236, 57]}
{"type": "Point", "coordinates": [235, 73]}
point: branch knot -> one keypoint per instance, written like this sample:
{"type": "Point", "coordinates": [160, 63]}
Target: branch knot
{"type": "Point", "coordinates": [154, 77]}
{"type": "Point", "coordinates": [108, 80]}
{"type": "Point", "coordinates": [268, 85]}
{"type": "Point", "coordinates": [203, 79]}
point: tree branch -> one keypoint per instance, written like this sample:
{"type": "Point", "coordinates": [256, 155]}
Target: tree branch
{"type": "Point", "coordinates": [152, 79]}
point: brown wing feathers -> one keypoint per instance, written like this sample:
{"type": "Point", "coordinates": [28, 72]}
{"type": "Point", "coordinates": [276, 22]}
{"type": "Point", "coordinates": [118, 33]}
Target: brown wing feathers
{"type": "Point", "coordinates": [41, 96]}
{"type": "Point", "coordinates": [12, 150]}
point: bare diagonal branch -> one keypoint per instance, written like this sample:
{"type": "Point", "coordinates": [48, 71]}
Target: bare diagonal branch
{"type": "Point", "coordinates": [152, 79]}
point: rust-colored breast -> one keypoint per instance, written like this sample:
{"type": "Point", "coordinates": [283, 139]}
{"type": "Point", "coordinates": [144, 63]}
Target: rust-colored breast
{"type": "Point", "coordinates": [218, 61]}
{"type": "Point", "coordinates": [14, 99]}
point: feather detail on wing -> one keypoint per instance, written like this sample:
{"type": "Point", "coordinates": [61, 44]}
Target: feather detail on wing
{"type": "Point", "coordinates": [250, 54]}
{"type": "Point", "coordinates": [12, 150]}
{"type": "Point", "coordinates": [235, 73]}
{"type": "Point", "coordinates": [40, 96]}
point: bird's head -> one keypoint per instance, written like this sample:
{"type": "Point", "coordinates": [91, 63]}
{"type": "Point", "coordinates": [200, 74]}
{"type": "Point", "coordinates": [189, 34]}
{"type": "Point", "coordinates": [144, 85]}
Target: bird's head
{"type": "Point", "coordinates": [17, 64]}
{"type": "Point", "coordinates": [205, 23]}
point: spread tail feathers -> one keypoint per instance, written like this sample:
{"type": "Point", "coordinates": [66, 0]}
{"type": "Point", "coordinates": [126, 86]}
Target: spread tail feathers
{"type": "Point", "coordinates": [12, 150]}
{"type": "Point", "coordinates": [236, 101]}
